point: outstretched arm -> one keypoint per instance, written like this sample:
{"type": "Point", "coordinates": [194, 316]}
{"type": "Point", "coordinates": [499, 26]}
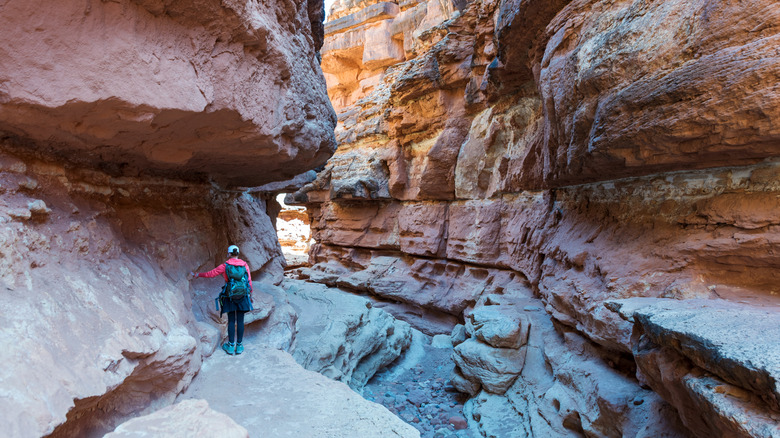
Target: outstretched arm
{"type": "Point", "coordinates": [219, 270]}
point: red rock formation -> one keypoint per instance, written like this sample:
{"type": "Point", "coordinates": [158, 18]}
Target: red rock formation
{"type": "Point", "coordinates": [120, 125]}
{"type": "Point", "coordinates": [590, 150]}
{"type": "Point", "coordinates": [194, 90]}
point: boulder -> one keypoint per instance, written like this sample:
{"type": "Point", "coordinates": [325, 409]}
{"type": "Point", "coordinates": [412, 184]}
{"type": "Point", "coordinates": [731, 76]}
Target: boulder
{"type": "Point", "coordinates": [342, 336]}
{"type": "Point", "coordinates": [499, 326]}
{"type": "Point", "coordinates": [182, 420]}
{"type": "Point", "coordinates": [495, 369]}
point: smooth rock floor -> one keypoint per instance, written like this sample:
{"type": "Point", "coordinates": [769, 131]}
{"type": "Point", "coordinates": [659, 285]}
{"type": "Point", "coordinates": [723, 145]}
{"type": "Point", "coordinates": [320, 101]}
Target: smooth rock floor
{"type": "Point", "coordinates": [268, 393]}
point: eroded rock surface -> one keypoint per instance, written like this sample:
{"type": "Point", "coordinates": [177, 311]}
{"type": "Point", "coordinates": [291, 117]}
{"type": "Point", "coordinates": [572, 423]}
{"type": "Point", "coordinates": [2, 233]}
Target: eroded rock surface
{"type": "Point", "coordinates": [341, 335]}
{"type": "Point", "coordinates": [105, 264]}
{"type": "Point", "coordinates": [206, 90]}
{"type": "Point", "coordinates": [588, 150]}
{"type": "Point", "coordinates": [710, 356]}
{"type": "Point", "coordinates": [121, 124]}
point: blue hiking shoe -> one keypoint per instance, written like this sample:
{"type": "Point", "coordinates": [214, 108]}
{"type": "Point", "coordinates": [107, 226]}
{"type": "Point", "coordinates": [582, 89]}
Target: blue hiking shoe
{"type": "Point", "coordinates": [239, 348]}
{"type": "Point", "coordinates": [228, 347]}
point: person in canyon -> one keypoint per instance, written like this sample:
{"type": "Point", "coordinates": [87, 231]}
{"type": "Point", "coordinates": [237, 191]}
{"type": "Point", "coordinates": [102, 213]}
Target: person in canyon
{"type": "Point", "coordinates": [234, 308]}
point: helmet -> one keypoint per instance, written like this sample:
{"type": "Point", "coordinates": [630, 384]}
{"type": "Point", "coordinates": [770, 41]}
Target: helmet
{"type": "Point", "coordinates": [233, 250]}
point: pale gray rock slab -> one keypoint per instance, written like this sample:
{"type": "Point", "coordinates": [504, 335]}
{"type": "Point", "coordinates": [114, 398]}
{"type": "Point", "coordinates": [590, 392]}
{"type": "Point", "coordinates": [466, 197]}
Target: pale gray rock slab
{"type": "Point", "coordinates": [707, 406]}
{"type": "Point", "coordinates": [714, 335]}
{"type": "Point", "coordinates": [183, 420]}
{"type": "Point", "coordinates": [342, 335]}
{"type": "Point", "coordinates": [269, 394]}
{"type": "Point", "coordinates": [729, 409]}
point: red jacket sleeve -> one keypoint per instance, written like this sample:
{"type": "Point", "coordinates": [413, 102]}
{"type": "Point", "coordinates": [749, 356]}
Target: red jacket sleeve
{"type": "Point", "coordinates": [219, 270]}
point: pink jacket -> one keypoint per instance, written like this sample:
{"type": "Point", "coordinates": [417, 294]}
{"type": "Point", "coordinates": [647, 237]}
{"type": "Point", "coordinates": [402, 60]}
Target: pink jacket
{"type": "Point", "coordinates": [220, 270]}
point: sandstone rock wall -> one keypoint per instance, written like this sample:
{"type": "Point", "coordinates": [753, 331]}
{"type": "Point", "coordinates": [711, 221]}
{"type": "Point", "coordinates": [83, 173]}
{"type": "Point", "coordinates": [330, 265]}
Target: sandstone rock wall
{"type": "Point", "coordinates": [127, 132]}
{"type": "Point", "coordinates": [589, 150]}
{"type": "Point", "coordinates": [101, 319]}
{"type": "Point", "coordinates": [194, 90]}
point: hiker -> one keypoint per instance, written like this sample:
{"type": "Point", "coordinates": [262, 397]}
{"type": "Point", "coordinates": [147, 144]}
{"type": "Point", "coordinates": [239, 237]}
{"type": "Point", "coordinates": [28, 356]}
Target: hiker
{"type": "Point", "coordinates": [235, 307]}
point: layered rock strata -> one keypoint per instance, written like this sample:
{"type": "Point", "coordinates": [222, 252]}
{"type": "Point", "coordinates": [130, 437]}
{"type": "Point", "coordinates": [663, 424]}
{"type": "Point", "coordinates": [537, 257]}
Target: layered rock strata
{"type": "Point", "coordinates": [103, 261]}
{"type": "Point", "coordinates": [588, 150]}
{"type": "Point", "coordinates": [121, 126]}
{"type": "Point", "coordinates": [205, 90]}
{"type": "Point", "coordinates": [701, 353]}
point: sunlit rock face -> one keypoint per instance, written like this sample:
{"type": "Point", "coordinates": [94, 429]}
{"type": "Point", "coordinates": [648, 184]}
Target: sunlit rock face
{"type": "Point", "coordinates": [587, 150]}
{"type": "Point", "coordinates": [228, 91]}
{"type": "Point", "coordinates": [127, 131]}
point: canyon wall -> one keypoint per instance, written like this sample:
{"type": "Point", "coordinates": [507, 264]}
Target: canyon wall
{"type": "Point", "coordinates": [129, 131]}
{"type": "Point", "coordinates": [614, 163]}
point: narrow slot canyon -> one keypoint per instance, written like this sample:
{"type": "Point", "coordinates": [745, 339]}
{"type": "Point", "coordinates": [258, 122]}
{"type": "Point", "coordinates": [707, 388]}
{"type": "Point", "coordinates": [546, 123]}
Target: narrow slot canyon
{"type": "Point", "coordinates": [460, 218]}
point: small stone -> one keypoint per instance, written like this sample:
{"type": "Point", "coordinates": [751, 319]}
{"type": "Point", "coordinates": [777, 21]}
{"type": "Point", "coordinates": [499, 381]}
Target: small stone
{"type": "Point", "coordinates": [38, 207]}
{"type": "Point", "coordinates": [441, 433]}
{"type": "Point", "coordinates": [28, 184]}
{"type": "Point", "coordinates": [417, 397]}
{"type": "Point", "coordinates": [441, 341]}
{"type": "Point", "coordinates": [459, 423]}
{"type": "Point", "coordinates": [532, 308]}
{"type": "Point", "coordinates": [458, 334]}
{"type": "Point", "coordinates": [20, 214]}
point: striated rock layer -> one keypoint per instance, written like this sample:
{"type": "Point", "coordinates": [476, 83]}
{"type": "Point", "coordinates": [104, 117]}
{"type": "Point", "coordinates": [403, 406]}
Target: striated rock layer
{"type": "Point", "coordinates": [204, 90]}
{"type": "Point", "coordinates": [101, 321]}
{"type": "Point", "coordinates": [121, 124]}
{"type": "Point", "coordinates": [587, 150]}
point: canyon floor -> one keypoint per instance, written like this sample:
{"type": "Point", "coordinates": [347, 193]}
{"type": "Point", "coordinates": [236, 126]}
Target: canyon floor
{"type": "Point", "coordinates": [261, 388]}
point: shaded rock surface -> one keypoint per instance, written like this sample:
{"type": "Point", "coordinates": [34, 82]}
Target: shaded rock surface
{"type": "Point", "coordinates": [185, 419]}
{"type": "Point", "coordinates": [341, 335]}
{"type": "Point", "coordinates": [106, 268]}
{"type": "Point", "coordinates": [121, 123]}
{"type": "Point", "coordinates": [704, 356]}
{"type": "Point", "coordinates": [269, 394]}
